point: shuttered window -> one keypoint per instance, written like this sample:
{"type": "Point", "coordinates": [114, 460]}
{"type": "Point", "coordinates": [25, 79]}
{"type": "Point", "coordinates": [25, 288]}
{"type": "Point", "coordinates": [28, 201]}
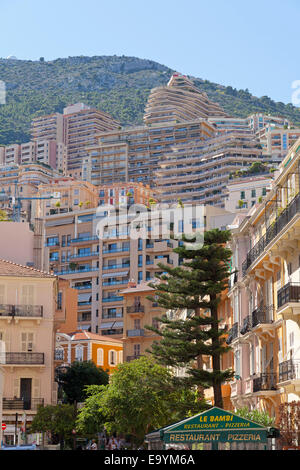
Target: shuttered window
{"type": "Point", "coordinates": [28, 295]}
{"type": "Point", "coordinates": [2, 294]}
{"type": "Point", "coordinates": [27, 341]}
{"type": "Point", "coordinates": [99, 357]}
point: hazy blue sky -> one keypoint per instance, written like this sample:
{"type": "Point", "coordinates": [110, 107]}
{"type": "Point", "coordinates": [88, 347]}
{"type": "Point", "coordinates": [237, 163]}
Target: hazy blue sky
{"type": "Point", "coordinates": [252, 44]}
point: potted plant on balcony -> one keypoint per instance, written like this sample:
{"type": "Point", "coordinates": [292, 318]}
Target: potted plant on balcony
{"type": "Point", "coordinates": [72, 266]}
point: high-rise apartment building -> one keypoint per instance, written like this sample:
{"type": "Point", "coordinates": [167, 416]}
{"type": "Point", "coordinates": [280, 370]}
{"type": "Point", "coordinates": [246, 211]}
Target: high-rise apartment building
{"type": "Point", "coordinates": [76, 129]}
{"type": "Point", "coordinates": [199, 172]}
{"type": "Point", "coordinates": [179, 101]}
{"type": "Point", "coordinates": [133, 154]}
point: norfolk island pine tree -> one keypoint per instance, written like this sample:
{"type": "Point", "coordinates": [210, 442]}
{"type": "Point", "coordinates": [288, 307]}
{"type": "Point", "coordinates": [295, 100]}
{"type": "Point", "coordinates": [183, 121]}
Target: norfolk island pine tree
{"type": "Point", "coordinates": [195, 285]}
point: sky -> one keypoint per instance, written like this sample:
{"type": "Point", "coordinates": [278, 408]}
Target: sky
{"type": "Point", "coordinates": [252, 44]}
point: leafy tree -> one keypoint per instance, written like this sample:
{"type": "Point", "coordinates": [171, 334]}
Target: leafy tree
{"type": "Point", "coordinates": [55, 420]}
{"type": "Point", "coordinates": [259, 417]}
{"type": "Point", "coordinates": [139, 398]}
{"type": "Point", "coordinates": [196, 284]}
{"type": "Point", "coordinates": [78, 376]}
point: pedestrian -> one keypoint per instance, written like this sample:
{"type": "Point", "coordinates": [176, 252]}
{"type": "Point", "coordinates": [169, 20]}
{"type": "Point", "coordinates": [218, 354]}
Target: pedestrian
{"type": "Point", "coordinates": [94, 445]}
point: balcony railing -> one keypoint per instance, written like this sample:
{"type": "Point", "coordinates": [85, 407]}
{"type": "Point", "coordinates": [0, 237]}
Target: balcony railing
{"type": "Point", "coordinates": [112, 299]}
{"type": "Point", "coordinates": [21, 310]}
{"type": "Point", "coordinates": [246, 325]}
{"type": "Point", "coordinates": [266, 381]}
{"type": "Point", "coordinates": [262, 315]}
{"type": "Point", "coordinates": [137, 332]}
{"type": "Point", "coordinates": [289, 370]}
{"type": "Point", "coordinates": [21, 404]}
{"type": "Point", "coordinates": [288, 293]}
{"type": "Point", "coordinates": [84, 255]}
{"type": "Point", "coordinates": [132, 358]}
{"type": "Point", "coordinates": [282, 220]}
{"type": "Point", "coordinates": [232, 333]}
{"type": "Point", "coordinates": [116, 266]}
{"type": "Point", "coordinates": [116, 250]}
{"type": "Point", "coordinates": [83, 239]}
{"type": "Point", "coordinates": [23, 358]}
{"type": "Point", "coordinates": [75, 271]}
{"type": "Point", "coordinates": [135, 309]}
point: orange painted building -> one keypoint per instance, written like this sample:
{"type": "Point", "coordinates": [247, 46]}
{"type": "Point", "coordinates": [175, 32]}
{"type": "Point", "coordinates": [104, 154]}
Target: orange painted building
{"type": "Point", "coordinates": [82, 345]}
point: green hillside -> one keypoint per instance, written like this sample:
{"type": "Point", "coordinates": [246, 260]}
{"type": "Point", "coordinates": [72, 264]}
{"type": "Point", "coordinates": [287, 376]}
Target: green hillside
{"type": "Point", "coordinates": [117, 85]}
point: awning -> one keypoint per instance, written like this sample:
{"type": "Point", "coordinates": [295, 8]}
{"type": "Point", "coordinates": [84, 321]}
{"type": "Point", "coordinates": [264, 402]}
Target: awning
{"type": "Point", "coordinates": [106, 326]}
{"type": "Point", "coordinates": [53, 223]}
{"type": "Point", "coordinates": [117, 274]}
{"type": "Point", "coordinates": [111, 325]}
{"type": "Point", "coordinates": [84, 297]}
{"type": "Point", "coordinates": [85, 327]}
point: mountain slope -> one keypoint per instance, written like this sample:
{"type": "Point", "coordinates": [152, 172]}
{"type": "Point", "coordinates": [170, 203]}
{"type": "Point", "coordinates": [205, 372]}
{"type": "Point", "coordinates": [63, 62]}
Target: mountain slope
{"type": "Point", "coordinates": [117, 85]}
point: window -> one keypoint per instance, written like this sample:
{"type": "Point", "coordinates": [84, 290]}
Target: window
{"type": "Point", "coordinates": [242, 195]}
{"type": "Point", "coordinates": [59, 301]}
{"type": "Point", "coordinates": [100, 357]}
{"type": "Point", "coordinates": [289, 269]}
{"type": "Point", "coordinates": [137, 350]}
{"type": "Point", "coordinates": [112, 357]}
{"type": "Point", "coordinates": [27, 295]}
{"type": "Point", "coordinates": [140, 260]}
{"type": "Point", "coordinates": [79, 353]}
{"type": "Point", "coordinates": [27, 341]}
{"type": "Point", "coordinates": [140, 244]}
{"type": "Point", "coordinates": [140, 276]}
{"type": "Point", "coordinates": [2, 294]}
{"type": "Point", "coordinates": [253, 193]}
{"type": "Point", "coordinates": [137, 324]}
{"type": "Point", "coordinates": [264, 191]}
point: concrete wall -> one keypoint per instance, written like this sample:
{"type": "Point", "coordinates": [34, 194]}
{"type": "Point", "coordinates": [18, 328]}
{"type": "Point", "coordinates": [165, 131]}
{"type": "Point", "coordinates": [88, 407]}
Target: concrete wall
{"type": "Point", "coordinates": [16, 242]}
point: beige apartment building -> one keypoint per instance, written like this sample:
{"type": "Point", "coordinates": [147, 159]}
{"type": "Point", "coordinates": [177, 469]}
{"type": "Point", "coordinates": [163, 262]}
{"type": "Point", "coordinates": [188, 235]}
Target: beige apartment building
{"type": "Point", "coordinates": [65, 194]}
{"type": "Point", "coordinates": [72, 132]}
{"type": "Point", "coordinates": [179, 101]}
{"type": "Point", "coordinates": [139, 312]}
{"type": "Point", "coordinates": [33, 306]}
{"type": "Point", "coordinates": [243, 193]}
{"type": "Point", "coordinates": [133, 154]}
{"type": "Point", "coordinates": [22, 181]}
{"type": "Point", "coordinates": [199, 172]}
{"type": "Point", "coordinates": [265, 296]}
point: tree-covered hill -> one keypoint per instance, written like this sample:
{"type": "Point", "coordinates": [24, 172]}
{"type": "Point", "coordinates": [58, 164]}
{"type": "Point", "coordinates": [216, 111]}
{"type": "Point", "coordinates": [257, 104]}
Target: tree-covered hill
{"type": "Point", "coordinates": [117, 85]}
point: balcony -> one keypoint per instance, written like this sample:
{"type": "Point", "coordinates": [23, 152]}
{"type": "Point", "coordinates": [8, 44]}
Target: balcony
{"type": "Point", "coordinates": [35, 311]}
{"type": "Point", "coordinates": [84, 255]}
{"type": "Point", "coordinates": [289, 370]}
{"type": "Point", "coordinates": [84, 239]}
{"type": "Point", "coordinates": [246, 325]}
{"type": "Point", "coordinates": [137, 332]}
{"type": "Point", "coordinates": [284, 218]}
{"type": "Point", "coordinates": [232, 333]}
{"type": "Point", "coordinates": [116, 250]}
{"type": "Point", "coordinates": [266, 381]}
{"type": "Point", "coordinates": [21, 404]}
{"type": "Point", "coordinates": [112, 299]}
{"type": "Point", "coordinates": [135, 309]}
{"type": "Point", "coordinates": [116, 266]}
{"type": "Point", "coordinates": [133, 358]}
{"type": "Point", "coordinates": [77, 271]}
{"type": "Point", "coordinates": [26, 358]}
{"type": "Point", "coordinates": [289, 293]}
{"type": "Point", "coordinates": [262, 315]}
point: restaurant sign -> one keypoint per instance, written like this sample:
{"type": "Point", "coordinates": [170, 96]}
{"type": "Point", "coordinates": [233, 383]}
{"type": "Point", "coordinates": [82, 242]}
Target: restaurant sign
{"type": "Point", "coordinates": [215, 425]}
